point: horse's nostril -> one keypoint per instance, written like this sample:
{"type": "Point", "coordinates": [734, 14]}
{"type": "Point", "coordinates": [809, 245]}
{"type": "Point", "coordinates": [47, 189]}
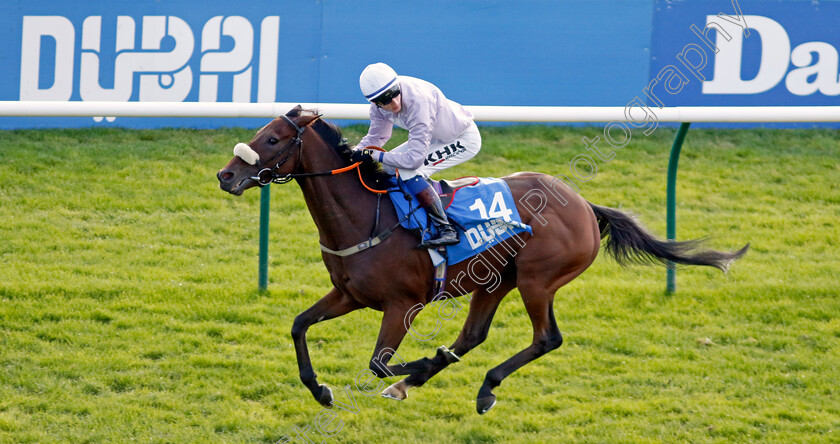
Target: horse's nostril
{"type": "Point", "coordinates": [224, 176]}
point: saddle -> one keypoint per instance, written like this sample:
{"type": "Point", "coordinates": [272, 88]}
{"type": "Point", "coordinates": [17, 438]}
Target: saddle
{"type": "Point", "coordinates": [496, 221]}
{"type": "Point", "coordinates": [482, 210]}
{"type": "Point", "coordinates": [446, 188]}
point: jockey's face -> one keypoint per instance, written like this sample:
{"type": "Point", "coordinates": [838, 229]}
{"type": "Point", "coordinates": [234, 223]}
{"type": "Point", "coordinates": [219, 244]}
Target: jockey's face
{"type": "Point", "coordinates": [395, 106]}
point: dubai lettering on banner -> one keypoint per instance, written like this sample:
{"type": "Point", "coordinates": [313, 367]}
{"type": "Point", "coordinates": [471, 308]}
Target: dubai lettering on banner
{"type": "Point", "coordinates": [151, 57]}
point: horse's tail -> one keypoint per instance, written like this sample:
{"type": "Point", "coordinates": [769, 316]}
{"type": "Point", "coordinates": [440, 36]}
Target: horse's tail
{"type": "Point", "coordinates": [628, 242]}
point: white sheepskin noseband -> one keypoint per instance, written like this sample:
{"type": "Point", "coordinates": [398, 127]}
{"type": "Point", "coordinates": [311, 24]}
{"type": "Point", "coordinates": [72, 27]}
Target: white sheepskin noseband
{"type": "Point", "coordinates": [245, 153]}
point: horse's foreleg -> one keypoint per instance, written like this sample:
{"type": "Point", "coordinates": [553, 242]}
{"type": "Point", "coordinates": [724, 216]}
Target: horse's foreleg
{"type": "Point", "coordinates": [483, 307]}
{"type": "Point", "coordinates": [391, 333]}
{"type": "Point", "coordinates": [332, 305]}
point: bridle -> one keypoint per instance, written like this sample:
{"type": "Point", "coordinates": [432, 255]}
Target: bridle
{"type": "Point", "coordinates": [268, 175]}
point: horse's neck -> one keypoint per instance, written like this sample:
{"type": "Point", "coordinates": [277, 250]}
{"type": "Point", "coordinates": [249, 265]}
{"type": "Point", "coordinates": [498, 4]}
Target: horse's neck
{"type": "Point", "coordinates": [342, 209]}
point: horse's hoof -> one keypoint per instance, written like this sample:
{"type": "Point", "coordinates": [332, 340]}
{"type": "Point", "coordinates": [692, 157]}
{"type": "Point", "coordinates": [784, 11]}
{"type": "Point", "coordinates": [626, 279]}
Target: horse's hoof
{"type": "Point", "coordinates": [397, 391]}
{"type": "Point", "coordinates": [392, 396]}
{"type": "Point", "coordinates": [325, 397]}
{"type": "Point", "coordinates": [483, 405]}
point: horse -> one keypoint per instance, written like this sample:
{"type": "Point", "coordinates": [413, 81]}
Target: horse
{"type": "Point", "coordinates": [390, 275]}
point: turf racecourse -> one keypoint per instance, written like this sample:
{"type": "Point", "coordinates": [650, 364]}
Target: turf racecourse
{"type": "Point", "coordinates": [129, 309]}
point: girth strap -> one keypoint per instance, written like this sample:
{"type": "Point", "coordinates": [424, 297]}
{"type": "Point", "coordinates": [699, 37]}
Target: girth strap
{"type": "Point", "coordinates": [372, 242]}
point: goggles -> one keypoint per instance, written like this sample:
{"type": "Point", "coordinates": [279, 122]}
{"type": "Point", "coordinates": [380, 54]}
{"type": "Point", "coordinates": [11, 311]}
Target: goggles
{"type": "Point", "coordinates": [386, 97]}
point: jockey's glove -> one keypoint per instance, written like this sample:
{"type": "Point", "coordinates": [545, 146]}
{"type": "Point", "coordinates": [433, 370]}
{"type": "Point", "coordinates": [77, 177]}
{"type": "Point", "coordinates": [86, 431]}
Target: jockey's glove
{"type": "Point", "coordinates": [364, 155]}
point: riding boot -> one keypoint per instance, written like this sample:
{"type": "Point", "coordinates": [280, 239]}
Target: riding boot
{"type": "Point", "coordinates": [430, 201]}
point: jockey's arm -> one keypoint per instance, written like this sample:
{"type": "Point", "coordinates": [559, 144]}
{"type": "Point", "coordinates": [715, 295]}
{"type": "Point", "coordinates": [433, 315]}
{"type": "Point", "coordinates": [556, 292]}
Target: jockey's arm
{"type": "Point", "coordinates": [420, 122]}
{"type": "Point", "coordinates": [379, 132]}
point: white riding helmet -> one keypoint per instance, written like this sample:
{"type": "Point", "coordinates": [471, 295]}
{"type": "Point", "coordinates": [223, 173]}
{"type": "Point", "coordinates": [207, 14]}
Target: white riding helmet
{"type": "Point", "coordinates": [377, 79]}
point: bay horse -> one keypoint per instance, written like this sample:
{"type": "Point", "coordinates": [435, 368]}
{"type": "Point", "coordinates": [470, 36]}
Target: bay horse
{"type": "Point", "coordinates": [396, 278]}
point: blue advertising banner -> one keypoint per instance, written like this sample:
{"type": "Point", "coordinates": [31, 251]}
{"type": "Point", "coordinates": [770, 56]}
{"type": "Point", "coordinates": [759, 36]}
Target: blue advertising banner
{"type": "Point", "coordinates": [744, 53]}
{"type": "Point", "coordinates": [491, 52]}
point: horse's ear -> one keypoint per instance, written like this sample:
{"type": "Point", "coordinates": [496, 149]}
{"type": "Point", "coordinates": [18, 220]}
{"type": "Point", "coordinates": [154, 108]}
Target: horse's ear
{"type": "Point", "coordinates": [307, 120]}
{"type": "Point", "coordinates": [304, 116]}
{"type": "Point", "coordinates": [294, 112]}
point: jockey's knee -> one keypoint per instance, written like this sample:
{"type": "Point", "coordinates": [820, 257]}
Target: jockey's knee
{"type": "Point", "coordinates": [405, 175]}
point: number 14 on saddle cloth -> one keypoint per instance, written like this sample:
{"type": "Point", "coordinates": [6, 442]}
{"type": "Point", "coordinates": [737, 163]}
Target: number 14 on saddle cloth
{"type": "Point", "coordinates": [484, 214]}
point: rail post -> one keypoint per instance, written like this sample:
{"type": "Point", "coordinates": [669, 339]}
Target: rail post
{"type": "Point", "coordinates": [671, 203]}
{"type": "Point", "coordinates": [265, 199]}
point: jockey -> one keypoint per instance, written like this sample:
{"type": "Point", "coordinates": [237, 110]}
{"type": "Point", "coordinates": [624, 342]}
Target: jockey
{"type": "Point", "coordinates": [441, 134]}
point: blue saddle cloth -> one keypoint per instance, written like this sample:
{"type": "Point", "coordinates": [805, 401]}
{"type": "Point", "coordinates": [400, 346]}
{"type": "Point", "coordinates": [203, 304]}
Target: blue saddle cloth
{"type": "Point", "coordinates": [484, 215]}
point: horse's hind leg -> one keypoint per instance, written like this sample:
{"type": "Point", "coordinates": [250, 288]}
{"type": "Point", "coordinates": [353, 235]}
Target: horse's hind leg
{"type": "Point", "coordinates": [539, 303]}
{"type": "Point", "coordinates": [483, 306]}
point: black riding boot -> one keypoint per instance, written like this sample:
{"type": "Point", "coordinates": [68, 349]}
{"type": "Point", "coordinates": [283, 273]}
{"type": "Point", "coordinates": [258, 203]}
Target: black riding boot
{"type": "Point", "coordinates": [447, 235]}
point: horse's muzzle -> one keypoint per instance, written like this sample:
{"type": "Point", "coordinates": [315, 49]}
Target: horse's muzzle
{"type": "Point", "coordinates": [228, 182]}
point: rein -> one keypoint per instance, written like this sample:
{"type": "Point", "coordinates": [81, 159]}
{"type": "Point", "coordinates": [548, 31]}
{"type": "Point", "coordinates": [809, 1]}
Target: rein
{"type": "Point", "coordinates": [269, 175]}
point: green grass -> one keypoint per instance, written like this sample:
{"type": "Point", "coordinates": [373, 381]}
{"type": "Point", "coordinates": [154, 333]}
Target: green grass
{"type": "Point", "coordinates": [129, 310]}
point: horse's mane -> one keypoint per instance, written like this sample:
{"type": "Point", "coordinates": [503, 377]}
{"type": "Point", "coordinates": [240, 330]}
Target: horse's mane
{"type": "Point", "coordinates": [373, 173]}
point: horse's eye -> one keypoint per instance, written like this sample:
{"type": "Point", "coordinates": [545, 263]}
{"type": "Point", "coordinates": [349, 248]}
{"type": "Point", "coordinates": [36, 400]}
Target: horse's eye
{"type": "Point", "coordinates": [272, 140]}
